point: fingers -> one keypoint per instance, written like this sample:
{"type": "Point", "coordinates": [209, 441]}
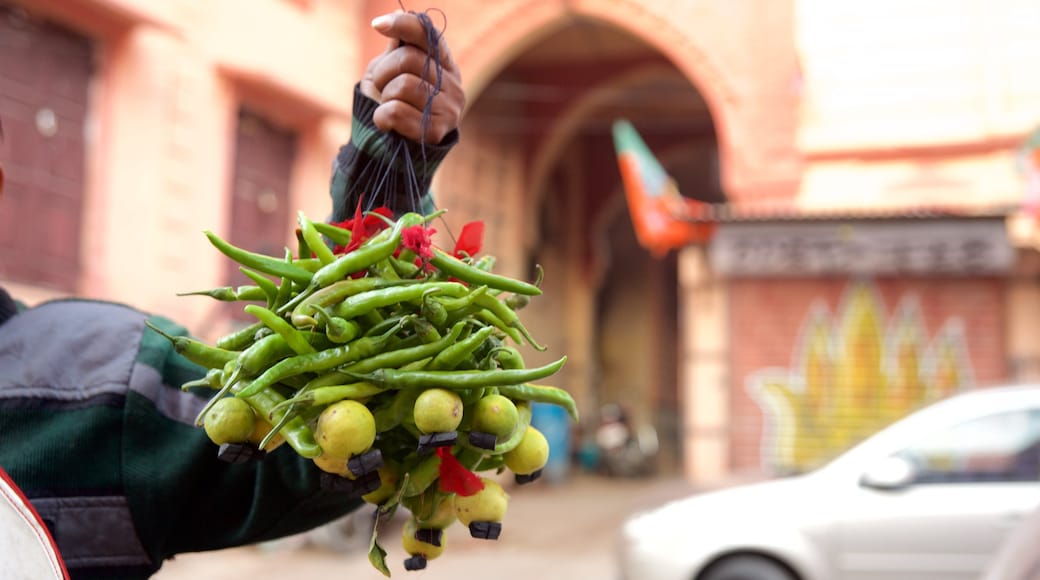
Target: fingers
{"type": "Point", "coordinates": [403, 77]}
{"type": "Point", "coordinates": [404, 60]}
{"type": "Point", "coordinates": [407, 28]}
{"type": "Point", "coordinates": [407, 121]}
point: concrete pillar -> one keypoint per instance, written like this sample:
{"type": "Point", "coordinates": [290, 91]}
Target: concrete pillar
{"type": "Point", "coordinates": [703, 368]}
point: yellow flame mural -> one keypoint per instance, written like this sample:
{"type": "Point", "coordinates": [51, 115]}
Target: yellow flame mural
{"type": "Point", "coordinates": [852, 373]}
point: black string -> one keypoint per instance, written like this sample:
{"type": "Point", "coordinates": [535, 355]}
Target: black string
{"type": "Point", "coordinates": [385, 170]}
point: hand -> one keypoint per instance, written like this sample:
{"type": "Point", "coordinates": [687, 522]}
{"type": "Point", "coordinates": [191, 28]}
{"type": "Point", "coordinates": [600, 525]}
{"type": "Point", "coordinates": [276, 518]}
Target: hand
{"type": "Point", "coordinates": [400, 81]}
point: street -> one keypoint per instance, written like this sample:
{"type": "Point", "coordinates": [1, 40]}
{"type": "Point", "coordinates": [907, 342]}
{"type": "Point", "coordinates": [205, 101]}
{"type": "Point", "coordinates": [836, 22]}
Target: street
{"type": "Point", "coordinates": [552, 530]}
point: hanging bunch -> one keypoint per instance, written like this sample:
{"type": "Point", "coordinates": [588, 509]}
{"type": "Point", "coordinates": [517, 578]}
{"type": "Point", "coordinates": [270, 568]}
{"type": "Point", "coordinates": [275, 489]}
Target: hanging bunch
{"type": "Point", "coordinates": [392, 364]}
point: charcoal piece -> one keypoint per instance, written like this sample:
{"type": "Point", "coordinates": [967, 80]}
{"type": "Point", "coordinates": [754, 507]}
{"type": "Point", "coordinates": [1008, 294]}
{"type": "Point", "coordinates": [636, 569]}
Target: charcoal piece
{"type": "Point", "coordinates": [431, 441]}
{"type": "Point", "coordinates": [351, 487]}
{"type": "Point", "coordinates": [239, 452]}
{"type": "Point", "coordinates": [485, 530]}
{"type": "Point", "coordinates": [429, 535]}
{"type": "Point", "coordinates": [416, 562]}
{"type": "Point", "coordinates": [365, 463]}
{"type": "Point", "coordinates": [483, 440]}
{"type": "Point", "coordinates": [522, 479]}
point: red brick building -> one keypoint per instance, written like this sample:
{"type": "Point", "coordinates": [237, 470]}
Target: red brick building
{"type": "Point", "coordinates": [873, 255]}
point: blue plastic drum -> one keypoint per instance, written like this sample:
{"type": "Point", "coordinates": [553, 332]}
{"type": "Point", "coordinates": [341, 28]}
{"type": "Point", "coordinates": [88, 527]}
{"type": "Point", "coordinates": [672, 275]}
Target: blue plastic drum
{"type": "Point", "coordinates": [555, 424]}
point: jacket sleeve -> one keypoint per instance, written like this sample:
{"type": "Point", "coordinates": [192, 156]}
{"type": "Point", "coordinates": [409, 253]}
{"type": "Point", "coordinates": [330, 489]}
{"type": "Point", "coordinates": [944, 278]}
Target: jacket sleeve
{"type": "Point", "coordinates": [99, 435]}
{"type": "Point", "coordinates": [184, 498]}
{"type": "Point", "coordinates": [380, 169]}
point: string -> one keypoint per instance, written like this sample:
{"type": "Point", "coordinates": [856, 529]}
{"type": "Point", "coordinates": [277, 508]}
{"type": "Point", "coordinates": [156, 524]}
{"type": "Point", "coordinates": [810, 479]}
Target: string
{"type": "Point", "coordinates": [394, 174]}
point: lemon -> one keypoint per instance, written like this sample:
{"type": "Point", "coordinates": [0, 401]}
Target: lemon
{"type": "Point", "coordinates": [530, 455]}
{"type": "Point", "coordinates": [487, 505]}
{"type": "Point", "coordinates": [437, 411]}
{"type": "Point", "coordinates": [497, 415]}
{"type": "Point", "coordinates": [230, 420]}
{"type": "Point", "coordinates": [330, 463]}
{"type": "Point", "coordinates": [345, 429]}
{"type": "Point", "coordinates": [260, 431]}
{"type": "Point", "coordinates": [416, 547]}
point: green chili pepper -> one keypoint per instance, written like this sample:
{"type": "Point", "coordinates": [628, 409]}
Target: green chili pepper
{"type": "Point", "coordinates": [517, 301]}
{"type": "Point", "coordinates": [478, 277]}
{"type": "Point", "coordinates": [541, 394]}
{"type": "Point", "coordinates": [296, 431]}
{"type": "Point", "coordinates": [398, 358]}
{"type": "Point", "coordinates": [278, 324]}
{"type": "Point", "coordinates": [260, 262]}
{"type": "Point", "coordinates": [285, 288]}
{"type": "Point", "coordinates": [360, 304]}
{"type": "Point", "coordinates": [333, 393]}
{"type": "Point", "coordinates": [422, 476]}
{"type": "Point", "coordinates": [398, 379]}
{"type": "Point", "coordinates": [339, 330]}
{"type": "Point", "coordinates": [303, 249]}
{"type": "Point", "coordinates": [230, 293]}
{"type": "Point", "coordinates": [378, 247]}
{"type": "Point", "coordinates": [506, 315]}
{"type": "Point", "coordinates": [197, 351]}
{"type": "Point", "coordinates": [313, 239]}
{"type": "Point", "coordinates": [210, 381]}
{"type": "Point", "coordinates": [401, 357]}
{"type": "Point", "coordinates": [320, 361]}
{"type": "Point", "coordinates": [433, 310]}
{"type": "Point", "coordinates": [337, 292]}
{"type": "Point", "coordinates": [273, 348]}
{"type": "Point", "coordinates": [507, 357]}
{"type": "Point", "coordinates": [338, 235]}
{"type": "Point", "coordinates": [405, 268]}
{"type": "Point", "coordinates": [240, 338]}
{"type": "Point", "coordinates": [268, 287]}
{"type": "Point", "coordinates": [453, 305]}
{"type": "Point", "coordinates": [425, 330]}
{"type": "Point", "coordinates": [450, 357]}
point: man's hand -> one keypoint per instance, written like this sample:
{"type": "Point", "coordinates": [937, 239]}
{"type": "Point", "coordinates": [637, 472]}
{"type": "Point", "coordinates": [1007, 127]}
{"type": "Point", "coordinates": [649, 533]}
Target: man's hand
{"type": "Point", "coordinates": [401, 82]}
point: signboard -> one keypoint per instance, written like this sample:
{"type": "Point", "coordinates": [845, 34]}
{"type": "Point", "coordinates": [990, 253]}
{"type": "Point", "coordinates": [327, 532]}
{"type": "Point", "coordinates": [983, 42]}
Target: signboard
{"type": "Point", "coordinates": [907, 247]}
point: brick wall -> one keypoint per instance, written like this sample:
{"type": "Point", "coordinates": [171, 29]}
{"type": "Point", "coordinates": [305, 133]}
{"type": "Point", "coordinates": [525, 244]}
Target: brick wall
{"type": "Point", "coordinates": [818, 363]}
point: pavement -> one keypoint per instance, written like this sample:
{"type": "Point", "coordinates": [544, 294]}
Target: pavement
{"type": "Point", "coordinates": [553, 530]}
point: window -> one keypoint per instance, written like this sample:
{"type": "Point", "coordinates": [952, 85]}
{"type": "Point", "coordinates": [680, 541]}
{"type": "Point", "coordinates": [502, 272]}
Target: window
{"type": "Point", "coordinates": [1001, 447]}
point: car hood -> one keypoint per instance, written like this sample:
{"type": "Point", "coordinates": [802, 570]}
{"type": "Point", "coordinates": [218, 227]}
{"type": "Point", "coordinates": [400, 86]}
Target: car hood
{"type": "Point", "coordinates": [744, 512]}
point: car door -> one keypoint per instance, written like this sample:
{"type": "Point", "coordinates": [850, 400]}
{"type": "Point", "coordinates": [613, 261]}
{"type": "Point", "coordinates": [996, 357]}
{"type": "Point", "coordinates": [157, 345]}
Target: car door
{"type": "Point", "coordinates": [971, 483]}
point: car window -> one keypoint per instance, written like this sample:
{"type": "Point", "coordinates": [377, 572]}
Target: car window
{"type": "Point", "coordinates": [999, 447]}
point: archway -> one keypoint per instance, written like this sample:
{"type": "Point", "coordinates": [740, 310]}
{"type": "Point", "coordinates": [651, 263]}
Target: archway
{"type": "Point", "coordinates": [537, 163]}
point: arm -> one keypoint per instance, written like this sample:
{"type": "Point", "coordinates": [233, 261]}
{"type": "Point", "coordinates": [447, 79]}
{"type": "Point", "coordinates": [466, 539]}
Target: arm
{"type": "Point", "coordinates": [108, 454]}
{"type": "Point", "coordinates": [399, 133]}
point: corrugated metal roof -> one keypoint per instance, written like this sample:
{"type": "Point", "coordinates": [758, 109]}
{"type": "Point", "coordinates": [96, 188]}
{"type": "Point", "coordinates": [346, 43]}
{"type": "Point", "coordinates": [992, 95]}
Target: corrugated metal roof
{"type": "Point", "coordinates": [787, 211]}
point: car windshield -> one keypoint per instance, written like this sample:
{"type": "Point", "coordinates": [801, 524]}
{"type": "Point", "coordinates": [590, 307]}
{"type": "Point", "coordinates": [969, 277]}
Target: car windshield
{"type": "Point", "coordinates": [999, 447]}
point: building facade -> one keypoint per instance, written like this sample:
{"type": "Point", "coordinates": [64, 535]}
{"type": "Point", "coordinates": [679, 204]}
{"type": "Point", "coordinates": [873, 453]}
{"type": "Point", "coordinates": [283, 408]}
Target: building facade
{"type": "Point", "coordinates": [874, 252]}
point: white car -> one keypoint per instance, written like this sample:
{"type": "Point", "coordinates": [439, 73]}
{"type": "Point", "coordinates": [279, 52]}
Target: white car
{"type": "Point", "coordinates": [1018, 558]}
{"type": "Point", "coordinates": [931, 497]}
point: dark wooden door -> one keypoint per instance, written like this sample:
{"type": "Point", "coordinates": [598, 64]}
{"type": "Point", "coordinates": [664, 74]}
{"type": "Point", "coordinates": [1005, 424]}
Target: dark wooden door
{"type": "Point", "coordinates": [45, 73]}
{"type": "Point", "coordinates": [261, 219]}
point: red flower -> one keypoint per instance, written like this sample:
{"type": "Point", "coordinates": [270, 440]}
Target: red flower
{"type": "Point", "coordinates": [362, 227]}
{"type": "Point", "coordinates": [417, 239]}
{"type": "Point", "coordinates": [454, 477]}
{"type": "Point", "coordinates": [471, 238]}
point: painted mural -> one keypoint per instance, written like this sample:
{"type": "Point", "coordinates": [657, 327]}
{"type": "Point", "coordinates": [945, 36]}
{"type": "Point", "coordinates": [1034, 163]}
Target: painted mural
{"type": "Point", "coordinates": [854, 370]}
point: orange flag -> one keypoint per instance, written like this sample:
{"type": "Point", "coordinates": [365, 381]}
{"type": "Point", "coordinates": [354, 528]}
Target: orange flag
{"type": "Point", "coordinates": [653, 199]}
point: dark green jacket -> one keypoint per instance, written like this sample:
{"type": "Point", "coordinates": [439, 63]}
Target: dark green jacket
{"type": "Point", "coordinates": [95, 429]}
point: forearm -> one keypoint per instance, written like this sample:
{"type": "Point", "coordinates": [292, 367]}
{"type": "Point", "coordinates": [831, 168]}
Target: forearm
{"type": "Point", "coordinates": [380, 169]}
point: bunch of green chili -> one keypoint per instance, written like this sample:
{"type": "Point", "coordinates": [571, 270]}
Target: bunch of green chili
{"type": "Point", "coordinates": [393, 355]}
